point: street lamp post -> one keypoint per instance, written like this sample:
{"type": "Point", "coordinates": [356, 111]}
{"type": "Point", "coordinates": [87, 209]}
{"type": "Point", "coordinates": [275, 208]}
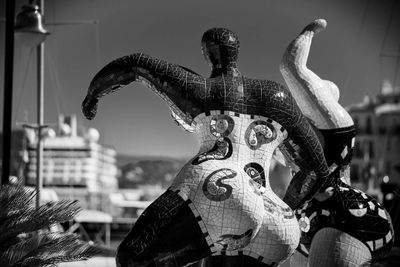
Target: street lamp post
{"type": "Point", "coordinates": [29, 25]}
{"type": "Point", "coordinates": [29, 29]}
{"type": "Point", "coordinates": [40, 115]}
{"type": "Point", "coordinates": [8, 90]}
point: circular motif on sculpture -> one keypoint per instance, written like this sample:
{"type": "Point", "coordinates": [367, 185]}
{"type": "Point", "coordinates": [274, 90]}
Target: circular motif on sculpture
{"type": "Point", "coordinates": [259, 133]}
{"type": "Point", "coordinates": [230, 242]}
{"type": "Point", "coordinates": [221, 150]}
{"type": "Point", "coordinates": [221, 125]}
{"type": "Point", "coordinates": [358, 212]}
{"type": "Point", "coordinates": [304, 223]}
{"type": "Point", "coordinates": [256, 172]}
{"type": "Point", "coordinates": [214, 187]}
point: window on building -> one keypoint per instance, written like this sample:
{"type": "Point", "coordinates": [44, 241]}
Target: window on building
{"type": "Point", "coordinates": [371, 149]}
{"type": "Point", "coordinates": [357, 150]}
{"type": "Point", "coordinates": [368, 127]}
{"type": "Point", "coordinates": [354, 173]}
{"type": "Point", "coordinates": [388, 167]}
{"type": "Point", "coordinates": [355, 120]}
{"type": "Point", "coordinates": [396, 127]}
{"type": "Point", "coordinates": [382, 125]}
{"type": "Point", "coordinates": [388, 143]}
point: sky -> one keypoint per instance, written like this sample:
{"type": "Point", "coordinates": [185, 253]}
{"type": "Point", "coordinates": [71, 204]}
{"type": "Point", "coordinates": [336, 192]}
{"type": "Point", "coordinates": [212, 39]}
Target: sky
{"type": "Point", "coordinates": [134, 120]}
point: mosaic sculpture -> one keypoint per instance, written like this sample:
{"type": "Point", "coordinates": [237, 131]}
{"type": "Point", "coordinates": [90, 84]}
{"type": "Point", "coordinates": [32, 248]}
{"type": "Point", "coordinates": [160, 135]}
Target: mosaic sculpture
{"type": "Point", "coordinates": [220, 203]}
{"type": "Point", "coordinates": [340, 226]}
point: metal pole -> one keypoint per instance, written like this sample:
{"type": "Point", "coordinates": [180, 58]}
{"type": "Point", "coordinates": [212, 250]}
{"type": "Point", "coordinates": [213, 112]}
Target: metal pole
{"type": "Point", "coordinates": [108, 234]}
{"type": "Point", "coordinates": [8, 90]}
{"type": "Point", "coordinates": [40, 113]}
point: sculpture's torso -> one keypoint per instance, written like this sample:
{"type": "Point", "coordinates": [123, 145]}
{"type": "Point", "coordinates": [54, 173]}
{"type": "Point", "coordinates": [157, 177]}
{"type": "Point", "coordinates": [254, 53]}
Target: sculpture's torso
{"type": "Point", "coordinates": [228, 183]}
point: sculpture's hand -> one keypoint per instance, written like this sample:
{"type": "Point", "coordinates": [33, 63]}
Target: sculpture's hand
{"type": "Point", "coordinates": [299, 185]}
{"type": "Point", "coordinates": [305, 183]}
{"type": "Point", "coordinates": [89, 107]}
{"type": "Point", "coordinates": [315, 27]}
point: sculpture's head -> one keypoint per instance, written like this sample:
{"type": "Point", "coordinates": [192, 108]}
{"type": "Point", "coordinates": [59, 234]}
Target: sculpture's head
{"type": "Point", "coordinates": [220, 47]}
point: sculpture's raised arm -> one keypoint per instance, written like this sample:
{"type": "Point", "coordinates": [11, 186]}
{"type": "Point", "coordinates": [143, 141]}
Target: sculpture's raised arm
{"type": "Point", "coordinates": [178, 86]}
{"type": "Point", "coordinates": [317, 98]}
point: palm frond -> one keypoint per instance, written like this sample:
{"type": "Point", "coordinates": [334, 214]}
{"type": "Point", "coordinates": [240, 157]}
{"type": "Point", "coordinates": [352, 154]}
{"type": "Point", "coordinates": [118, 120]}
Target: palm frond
{"type": "Point", "coordinates": [14, 200]}
{"type": "Point", "coordinates": [56, 248]}
{"type": "Point", "coordinates": [27, 219]}
{"type": "Point", "coordinates": [24, 236]}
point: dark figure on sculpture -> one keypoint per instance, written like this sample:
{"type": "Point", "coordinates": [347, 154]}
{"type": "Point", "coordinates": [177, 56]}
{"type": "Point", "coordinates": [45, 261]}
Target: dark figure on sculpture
{"type": "Point", "coordinates": [340, 226]}
{"type": "Point", "coordinates": [220, 203]}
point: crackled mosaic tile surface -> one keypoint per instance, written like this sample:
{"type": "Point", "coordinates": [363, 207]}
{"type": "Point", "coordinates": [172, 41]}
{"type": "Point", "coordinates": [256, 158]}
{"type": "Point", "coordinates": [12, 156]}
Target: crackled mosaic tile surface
{"type": "Point", "coordinates": [220, 203]}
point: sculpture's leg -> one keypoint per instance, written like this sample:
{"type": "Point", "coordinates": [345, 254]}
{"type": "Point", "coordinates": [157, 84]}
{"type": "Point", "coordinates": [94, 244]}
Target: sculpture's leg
{"type": "Point", "coordinates": [276, 240]}
{"type": "Point", "coordinates": [333, 248]}
{"type": "Point", "coordinates": [166, 234]}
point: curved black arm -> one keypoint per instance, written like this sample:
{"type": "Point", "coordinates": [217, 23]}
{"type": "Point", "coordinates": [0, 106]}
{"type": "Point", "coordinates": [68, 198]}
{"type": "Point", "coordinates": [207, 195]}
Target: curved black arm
{"type": "Point", "coordinates": [303, 148]}
{"type": "Point", "coordinates": [177, 85]}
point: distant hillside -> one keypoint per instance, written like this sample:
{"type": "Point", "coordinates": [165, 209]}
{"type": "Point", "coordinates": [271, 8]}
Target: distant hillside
{"type": "Point", "coordinates": [138, 170]}
{"type": "Point", "coordinates": [126, 159]}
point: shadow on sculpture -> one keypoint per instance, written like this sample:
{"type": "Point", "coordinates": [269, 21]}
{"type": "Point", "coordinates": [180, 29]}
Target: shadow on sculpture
{"type": "Point", "coordinates": [220, 203]}
{"type": "Point", "coordinates": [340, 226]}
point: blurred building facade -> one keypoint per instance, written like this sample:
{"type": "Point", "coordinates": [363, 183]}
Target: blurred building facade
{"type": "Point", "coordinates": [376, 156]}
{"type": "Point", "coordinates": [19, 155]}
{"type": "Point", "coordinates": [75, 166]}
